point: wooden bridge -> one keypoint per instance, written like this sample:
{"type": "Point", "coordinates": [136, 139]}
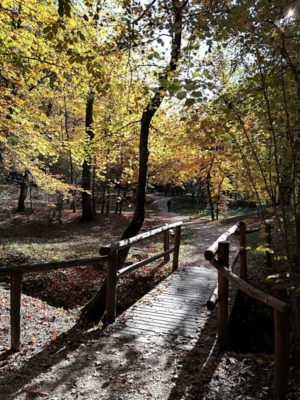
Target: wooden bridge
{"type": "Point", "coordinates": [170, 320]}
{"type": "Point", "coordinates": [173, 308]}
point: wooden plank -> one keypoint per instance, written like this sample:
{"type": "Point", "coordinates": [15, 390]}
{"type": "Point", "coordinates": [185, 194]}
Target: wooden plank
{"type": "Point", "coordinates": [167, 310]}
{"type": "Point", "coordinates": [15, 311]}
{"type": "Point", "coordinates": [111, 292]}
{"type": "Point", "coordinates": [187, 304]}
{"type": "Point", "coordinates": [166, 245]}
{"type": "Point", "coordinates": [163, 316]}
{"type": "Point", "coordinates": [282, 332]}
{"type": "Point", "coordinates": [162, 330]}
{"type": "Point", "coordinates": [242, 252]}
{"type": "Point", "coordinates": [162, 320]}
{"type": "Point", "coordinates": [223, 290]}
{"type": "Point", "coordinates": [176, 248]}
{"type": "Point", "coordinates": [159, 324]}
{"type": "Point", "coordinates": [180, 296]}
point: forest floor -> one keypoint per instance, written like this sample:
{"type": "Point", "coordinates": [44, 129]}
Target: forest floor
{"type": "Point", "coordinates": [51, 336]}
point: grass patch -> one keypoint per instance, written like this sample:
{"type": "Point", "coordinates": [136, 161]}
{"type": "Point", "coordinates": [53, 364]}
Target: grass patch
{"type": "Point", "coordinates": [20, 252]}
{"type": "Point", "coordinates": [186, 205]}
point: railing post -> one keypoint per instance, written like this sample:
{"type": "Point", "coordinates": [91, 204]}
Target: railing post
{"type": "Point", "coordinates": [167, 245]}
{"type": "Point", "coordinates": [243, 253]}
{"type": "Point", "coordinates": [176, 247]}
{"type": "Point", "coordinates": [281, 327]}
{"type": "Point", "coordinates": [268, 240]}
{"type": "Point", "coordinates": [111, 291]}
{"type": "Point", "coordinates": [15, 311]}
{"type": "Point", "coordinates": [223, 258]}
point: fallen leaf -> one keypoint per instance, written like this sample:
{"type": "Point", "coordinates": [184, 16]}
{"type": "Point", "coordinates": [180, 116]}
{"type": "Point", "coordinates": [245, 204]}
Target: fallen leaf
{"type": "Point", "coordinates": [53, 336]}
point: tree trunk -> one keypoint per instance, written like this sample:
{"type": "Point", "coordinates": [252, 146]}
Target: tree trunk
{"type": "Point", "coordinates": [95, 308]}
{"type": "Point", "coordinates": [210, 200]}
{"type": "Point", "coordinates": [23, 192]}
{"type": "Point", "coordinates": [103, 198]}
{"type": "Point", "coordinates": [73, 207]}
{"type": "Point", "coordinates": [87, 206]}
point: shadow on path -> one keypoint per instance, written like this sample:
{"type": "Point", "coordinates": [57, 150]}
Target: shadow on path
{"type": "Point", "coordinates": [198, 365]}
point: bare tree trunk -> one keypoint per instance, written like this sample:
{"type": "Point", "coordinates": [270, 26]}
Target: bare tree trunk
{"type": "Point", "coordinates": [103, 198]}
{"type": "Point", "coordinates": [73, 208]}
{"type": "Point", "coordinates": [23, 192]}
{"type": "Point", "coordinates": [87, 206]}
{"type": "Point", "coordinates": [209, 195]}
{"type": "Point", "coordinates": [94, 197]}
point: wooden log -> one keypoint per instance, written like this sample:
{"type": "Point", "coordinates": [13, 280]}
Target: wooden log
{"type": "Point", "coordinates": [15, 311]}
{"type": "Point", "coordinates": [253, 230]}
{"type": "Point", "coordinates": [167, 245]}
{"type": "Point", "coordinates": [79, 262]}
{"type": "Point", "coordinates": [249, 290]}
{"type": "Point", "coordinates": [111, 292]}
{"type": "Point", "coordinates": [282, 332]}
{"type": "Point", "coordinates": [177, 236]}
{"type": "Point", "coordinates": [268, 239]}
{"type": "Point", "coordinates": [141, 263]}
{"type": "Point", "coordinates": [122, 244]}
{"type": "Point", "coordinates": [212, 250]}
{"type": "Point", "coordinates": [234, 260]}
{"type": "Point", "coordinates": [223, 292]}
{"type": "Point", "coordinates": [243, 254]}
{"type": "Point", "coordinates": [213, 299]}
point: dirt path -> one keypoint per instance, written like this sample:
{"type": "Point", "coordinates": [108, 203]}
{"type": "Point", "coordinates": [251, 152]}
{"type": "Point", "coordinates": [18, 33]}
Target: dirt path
{"type": "Point", "coordinates": [198, 234]}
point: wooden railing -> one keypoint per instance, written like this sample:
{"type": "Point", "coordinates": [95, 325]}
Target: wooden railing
{"type": "Point", "coordinates": [218, 255]}
{"type": "Point", "coordinates": [107, 254]}
{"type": "Point", "coordinates": [16, 275]}
{"type": "Point", "coordinates": [111, 252]}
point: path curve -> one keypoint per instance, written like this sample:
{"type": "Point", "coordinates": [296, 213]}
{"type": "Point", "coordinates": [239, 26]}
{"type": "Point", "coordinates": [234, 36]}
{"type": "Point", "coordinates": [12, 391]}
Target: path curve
{"type": "Point", "coordinates": [199, 233]}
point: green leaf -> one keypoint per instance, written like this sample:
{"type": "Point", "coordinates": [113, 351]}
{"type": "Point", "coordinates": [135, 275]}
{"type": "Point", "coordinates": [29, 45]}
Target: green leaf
{"type": "Point", "coordinates": [81, 36]}
{"type": "Point", "coordinates": [264, 249]}
{"type": "Point", "coordinates": [196, 94]}
{"type": "Point", "coordinates": [189, 102]}
{"type": "Point", "coordinates": [181, 95]}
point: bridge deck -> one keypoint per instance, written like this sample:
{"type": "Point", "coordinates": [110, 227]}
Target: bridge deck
{"type": "Point", "coordinates": [173, 308]}
{"type": "Point", "coordinates": [161, 348]}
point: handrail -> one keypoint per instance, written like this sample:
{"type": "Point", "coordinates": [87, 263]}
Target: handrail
{"type": "Point", "coordinates": [41, 267]}
{"type": "Point", "coordinates": [213, 249]}
{"type": "Point", "coordinates": [281, 309]}
{"type": "Point", "coordinates": [250, 290]}
{"type": "Point", "coordinates": [113, 273]}
{"type": "Point", "coordinates": [122, 244]}
{"type": "Point", "coordinates": [141, 263]}
{"type": "Point", "coordinates": [108, 254]}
